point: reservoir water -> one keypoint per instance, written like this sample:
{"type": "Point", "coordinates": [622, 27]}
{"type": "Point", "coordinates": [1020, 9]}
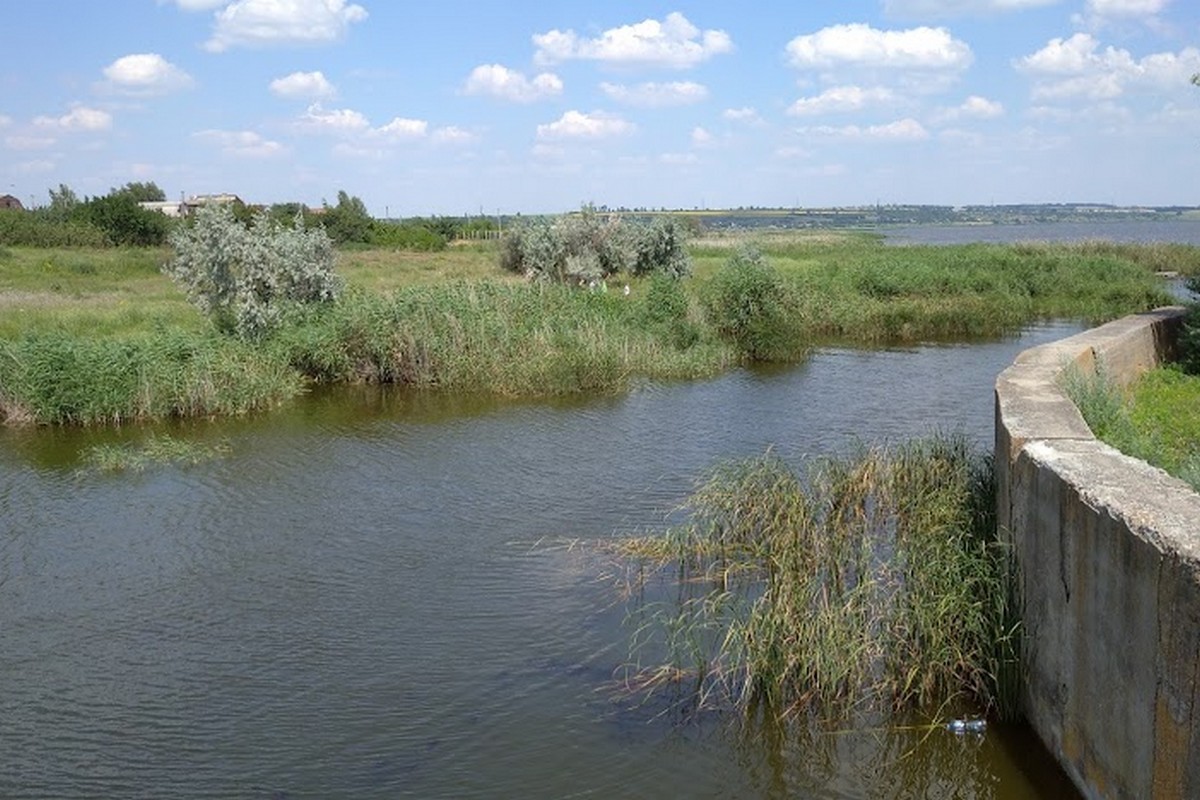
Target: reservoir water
{"type": "Point", "coordinates": [378, 593]}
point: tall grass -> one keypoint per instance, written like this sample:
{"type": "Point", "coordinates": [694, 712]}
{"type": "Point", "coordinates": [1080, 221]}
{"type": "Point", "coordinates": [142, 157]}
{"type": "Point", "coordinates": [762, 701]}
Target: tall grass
{"type": "Point", "coordinates": [59, 378]}
{"type": "Point", "coordinates": [871, 581]}
{"type": "Point", "coordinates": [1157, 419]}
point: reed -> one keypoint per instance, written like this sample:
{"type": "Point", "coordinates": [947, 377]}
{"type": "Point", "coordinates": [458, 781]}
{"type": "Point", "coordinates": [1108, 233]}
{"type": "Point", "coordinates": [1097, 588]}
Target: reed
{"type": "Point", "coordinates": [875, 580]}
{"type": "Point", "coordinates": [155, 450]}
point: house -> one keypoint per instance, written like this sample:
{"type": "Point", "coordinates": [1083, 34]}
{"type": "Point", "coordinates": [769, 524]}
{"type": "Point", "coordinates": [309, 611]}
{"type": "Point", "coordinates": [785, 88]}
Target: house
{"type": "Point", "coordinates": [10, 202]}
{"type": "Point", "coordinates": [197, 200]}
{"type": "Point", "coordinates": [171, 208]}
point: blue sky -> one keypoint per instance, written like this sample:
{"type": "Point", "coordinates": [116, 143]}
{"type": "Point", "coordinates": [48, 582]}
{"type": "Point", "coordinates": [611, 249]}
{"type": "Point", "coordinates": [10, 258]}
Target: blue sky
{"type": "Point", "coordinates": [458, 106]}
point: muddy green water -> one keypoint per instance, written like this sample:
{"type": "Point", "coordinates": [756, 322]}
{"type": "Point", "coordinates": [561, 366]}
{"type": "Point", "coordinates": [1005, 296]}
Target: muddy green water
{"type": "Point", "coordinates": [382, 594]}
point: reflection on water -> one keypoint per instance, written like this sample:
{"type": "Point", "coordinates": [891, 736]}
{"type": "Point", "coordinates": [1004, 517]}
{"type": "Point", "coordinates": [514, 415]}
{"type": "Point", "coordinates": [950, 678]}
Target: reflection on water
{"type": "Point", "coordinates": [382, 593]}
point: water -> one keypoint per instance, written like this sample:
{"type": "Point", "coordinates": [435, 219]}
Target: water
{"type": "Point", "coordinates": [387, 594]}
{"type": "Point", "coordinates": [1174, 231]}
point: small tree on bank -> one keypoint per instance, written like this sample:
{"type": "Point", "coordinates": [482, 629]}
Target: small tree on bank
{"type": "Point", "coordinates": [244, 277]}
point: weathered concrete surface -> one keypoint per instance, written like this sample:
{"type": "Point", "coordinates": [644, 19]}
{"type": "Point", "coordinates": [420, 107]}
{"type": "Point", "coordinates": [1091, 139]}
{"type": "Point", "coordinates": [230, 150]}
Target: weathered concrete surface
{"type": "Point", "coordinates": [1109, 558]}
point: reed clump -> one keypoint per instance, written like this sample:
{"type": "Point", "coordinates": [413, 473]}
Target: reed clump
{"type": "Point", "coordinates": [155, 450]}
{"type": "Point", "coordinates": [875, 580]}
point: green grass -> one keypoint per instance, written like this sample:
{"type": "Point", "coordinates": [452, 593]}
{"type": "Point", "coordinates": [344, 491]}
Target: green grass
{"type": "Point", "coordinates": [1156, 420]}
{"type": "Point", "coordinates": [452, 320]}
{"type": "Point", "coordinates": [872, 581]}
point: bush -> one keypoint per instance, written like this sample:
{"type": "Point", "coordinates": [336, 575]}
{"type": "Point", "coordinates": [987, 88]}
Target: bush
{"type": "Point", "coordinates": [125, 222]}
{"type": "Point", "coordinates": [748, 304]}
{"type": "Point", "coordinates": [586, 247]}
{"type": "Point", "coordinates": [244, 278]}
{"type": "Point", "coordinates": [661, 249]}
{"type": "Point", "coordinates": [33, 229]}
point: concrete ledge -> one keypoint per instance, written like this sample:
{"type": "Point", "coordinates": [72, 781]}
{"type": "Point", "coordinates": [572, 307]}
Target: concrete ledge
{"type": "Point", "coordinates": [1108, 550]}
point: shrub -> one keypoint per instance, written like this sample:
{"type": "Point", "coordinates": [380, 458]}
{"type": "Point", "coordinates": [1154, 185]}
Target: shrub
{"type": "Point", "coordinates": [588, 246]}
{"type": "Point", "coordinates": [661, 248]}
{"type": "Point", "coordinates": [33, 229]}
{"type": "Point", "coordinates": [748, 304]}
{"type": "Point", "coordinates": [125, 222]}
{"type": "Point", "coordinates": [243, 278]}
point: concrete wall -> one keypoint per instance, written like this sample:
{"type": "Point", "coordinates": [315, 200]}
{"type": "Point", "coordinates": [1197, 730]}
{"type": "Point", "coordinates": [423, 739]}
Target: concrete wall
{"type": "Point", "coordinates": [1109, 561]}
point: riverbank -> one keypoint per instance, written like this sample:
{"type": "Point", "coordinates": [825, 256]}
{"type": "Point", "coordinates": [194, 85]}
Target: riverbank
{"type": "Point", "coordinates": [95, 336]}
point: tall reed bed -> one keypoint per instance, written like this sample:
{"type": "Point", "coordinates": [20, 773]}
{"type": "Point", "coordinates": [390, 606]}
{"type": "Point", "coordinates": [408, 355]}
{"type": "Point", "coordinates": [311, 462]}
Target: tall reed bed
{"type": "Point", "coordinates": [514, 339]}
{"type": "Point", "coordinates": [60, 378]}
{"type": "Point", "coordinates": [876, 581]}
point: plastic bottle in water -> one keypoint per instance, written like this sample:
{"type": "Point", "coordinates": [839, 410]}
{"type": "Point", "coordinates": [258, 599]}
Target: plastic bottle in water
{"type": "Point", "coordinates": [967, 725]}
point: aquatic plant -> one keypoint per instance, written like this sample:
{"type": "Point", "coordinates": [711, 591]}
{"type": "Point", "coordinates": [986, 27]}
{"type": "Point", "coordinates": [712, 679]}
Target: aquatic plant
{"type": "Point", "coordinates": [155, 450]}
{"type": "Point", "coordinates": [875, 580]}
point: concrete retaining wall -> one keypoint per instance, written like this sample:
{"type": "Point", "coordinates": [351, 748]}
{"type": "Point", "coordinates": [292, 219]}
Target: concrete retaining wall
{"type": "Point", "coordinates": [1109, 560]}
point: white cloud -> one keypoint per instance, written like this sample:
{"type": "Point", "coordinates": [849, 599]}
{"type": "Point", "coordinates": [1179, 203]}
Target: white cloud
{"type": "Point", "coordinates": [338, 121]}
{"type": "Point", "coordinates": [145, 74]}
{"type": "Point", "coordinates": [255, 23]}
{"type": "Point", "coordinates": [19, 142]}
{"type": "Point", "coordinates": [1126, 8]}
{"type": "Point", "coordinates": [1078, 68]}
{"type": "Point", "coordinates": [899, 131]}
{"type": "Point", "coordinates": [195, 5]}
{"type": "Point", "coordinates": [678, 159]}
{"type": "Point", "coordinates": [701, 137]}
{"type": "Point", "coordinates": [499, 81]}
{"type": "Point", "coordinates": [974, 107]}
{"type": "Point", "coordinates": [303, 84]}
{"type": "Point", "coordinates": [79, 118]}
{"type": "Point", "coordinates": [745, 114]}
{"type": "Point", "coordinates": [452, 134]}
{"type": "Point", "coordinates": [38, 165]}
{"type": "Point", "coordinates": [243, 144]}
{"type": "Point", "coordinates": [954, 8]}
{"type": "Point", "coordinates": [672, 42]}
{"type": "Point", "coordinates": [577, 125]}
{"type": "Point", "coordinates": [403, 128]}
{"type": "Point", "coordinates": [5, 121]}
{"type": "Point", "coordinates": [840, 99]}
{"type": "Point", "coordinates": [860, 45]}
{"type": "Point", "coordinates": [657, 95]}
{"type": "Point", "coordinates": [789, 152]}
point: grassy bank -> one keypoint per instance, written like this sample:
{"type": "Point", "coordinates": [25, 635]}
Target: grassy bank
{"type": "Point", "coordinates": [76, 318]}
{"type": "Point", "coordinates": [869, 582]}
{"type": "Point", "coordinates": [1156, 420]}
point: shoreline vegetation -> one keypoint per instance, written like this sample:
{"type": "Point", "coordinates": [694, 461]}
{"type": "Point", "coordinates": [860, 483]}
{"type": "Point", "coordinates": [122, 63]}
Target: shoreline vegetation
{"type": "Point", "coordinates": [101, 336]}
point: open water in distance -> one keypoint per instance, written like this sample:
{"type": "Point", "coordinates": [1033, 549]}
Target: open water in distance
{"type": "Point", "coordinates": [372, 596]}
{"type": "Point", "coordinates": [1144, 232]}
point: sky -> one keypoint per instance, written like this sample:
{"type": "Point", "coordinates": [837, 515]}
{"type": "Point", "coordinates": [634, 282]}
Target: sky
{"type": "Point", "coordinates": [471, 106]}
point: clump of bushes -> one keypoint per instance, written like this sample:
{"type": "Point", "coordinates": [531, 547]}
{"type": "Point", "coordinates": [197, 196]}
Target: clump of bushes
{"type": "Point", "coordinates": [245, 278]}
{"type": "Point", "coordinates": [588, 247]}
{"type": "Point", "coordinates": [750, 305]}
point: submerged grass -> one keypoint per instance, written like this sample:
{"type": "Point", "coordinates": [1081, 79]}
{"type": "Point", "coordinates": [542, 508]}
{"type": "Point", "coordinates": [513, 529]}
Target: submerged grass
{"type": "Point", "coordinates": [872, 581]}
{"type": "Point", "coordinates": [154, 451]}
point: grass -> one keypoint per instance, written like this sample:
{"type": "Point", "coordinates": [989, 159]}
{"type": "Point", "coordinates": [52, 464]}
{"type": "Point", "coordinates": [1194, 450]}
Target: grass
{"type": "Point", "coordinates": [452, 320]}
{"type": "Point", "coordinates": [153, 451]}
{"type": "Point", "coordinates": [1157, 419]}
{"type": "Point", "coordinates": [875, 581]}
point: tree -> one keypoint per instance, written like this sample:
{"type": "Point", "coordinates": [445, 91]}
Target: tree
{"type": "Point", "coordinates": [348, 221]}
{"type": "Point", "coordinates": [141, 192]}
{"type": "Point", "coordinates": [124, 221]}
{"type": "Point", "coordinates": [63, 203]}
